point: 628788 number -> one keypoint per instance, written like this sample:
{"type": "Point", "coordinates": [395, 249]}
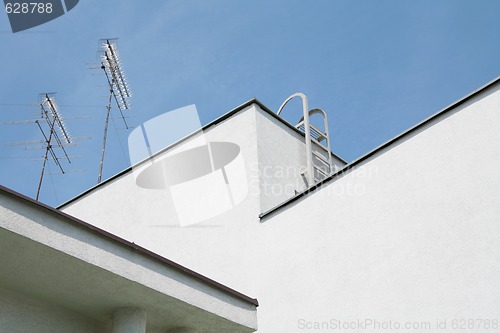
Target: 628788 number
{"type": "Point", "coordinates": [28, 7]}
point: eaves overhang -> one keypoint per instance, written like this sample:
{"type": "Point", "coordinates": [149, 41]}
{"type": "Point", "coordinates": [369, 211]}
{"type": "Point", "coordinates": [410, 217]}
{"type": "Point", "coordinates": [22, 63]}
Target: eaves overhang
{"type": "Point", "coordinates": [53, 256]}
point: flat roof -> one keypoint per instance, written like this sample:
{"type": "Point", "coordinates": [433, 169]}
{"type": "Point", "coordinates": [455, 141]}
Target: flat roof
{"type": "Point", "coordinates": [210, 124]}
{"type": "Point", "coordinates": [132, 246]}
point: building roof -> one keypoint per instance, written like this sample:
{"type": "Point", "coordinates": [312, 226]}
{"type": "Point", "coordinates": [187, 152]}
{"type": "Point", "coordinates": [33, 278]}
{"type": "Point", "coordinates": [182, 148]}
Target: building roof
{"type": "Point", "coordinates": [334, 176]}
{"type": "Point", "coordinates": [131, 246]}
{"type": "Point", "coordinates": [225, 116]}
{"type": "Point", "coordinates": [380, 148]}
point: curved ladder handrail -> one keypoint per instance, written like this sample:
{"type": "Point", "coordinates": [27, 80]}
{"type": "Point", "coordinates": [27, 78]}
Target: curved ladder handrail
{"type": "Point", "coordinates": [325, 124]}
{"type": "Point", "coordinates": [305, 108]}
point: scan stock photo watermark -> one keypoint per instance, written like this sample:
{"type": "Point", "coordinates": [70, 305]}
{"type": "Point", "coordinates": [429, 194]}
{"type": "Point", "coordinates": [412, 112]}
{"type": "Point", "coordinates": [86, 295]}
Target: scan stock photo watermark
{"type": "Point", "coordinates": [370, 324]}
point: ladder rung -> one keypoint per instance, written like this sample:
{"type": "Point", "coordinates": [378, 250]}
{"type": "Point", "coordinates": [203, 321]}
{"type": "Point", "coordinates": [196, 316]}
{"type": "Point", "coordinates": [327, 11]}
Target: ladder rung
{"type": "Point", "coordinates": [321, 157]}
{"type": "Point", "coordinates": [319, 144]}
{"type": "Point", "coordinates": [319, 170]}
{"type": "Point", "coordinates": [317, 134]}
{"type": "Point", "coordinates": [323, 163]}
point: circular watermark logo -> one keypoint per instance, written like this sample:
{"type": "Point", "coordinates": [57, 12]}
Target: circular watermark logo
{"type": "Point", "coordinates": [26, 14]}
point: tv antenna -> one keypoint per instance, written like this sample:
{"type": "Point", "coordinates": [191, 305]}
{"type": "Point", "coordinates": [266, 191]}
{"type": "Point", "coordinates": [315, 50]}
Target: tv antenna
{"type": "Point", "coordinates": [56, 137]}
{"type": "Point", "coordinates": [119, 90]}
{"type": "Point", "coordinates": [57, 131]}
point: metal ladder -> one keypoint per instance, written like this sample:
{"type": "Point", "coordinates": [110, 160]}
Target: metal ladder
{"type": "Point", "coordinates": [318, 153]}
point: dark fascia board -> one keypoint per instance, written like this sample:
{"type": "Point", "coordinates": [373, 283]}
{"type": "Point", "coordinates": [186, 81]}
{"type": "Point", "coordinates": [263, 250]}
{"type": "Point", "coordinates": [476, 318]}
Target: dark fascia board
{"type": "Point", "coordinates": [379, 149]}
{"type": "Point", "coordinates": [131, 245]}
{"type": "Point", "coordinates": [212, 123]}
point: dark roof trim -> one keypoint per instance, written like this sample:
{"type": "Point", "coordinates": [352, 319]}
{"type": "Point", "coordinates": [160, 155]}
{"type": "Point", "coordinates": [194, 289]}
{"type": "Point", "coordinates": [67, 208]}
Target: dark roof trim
{"type": "Point", "coordinates": [212, 123]}
{"type": "Point", "coordinates": [133, 246]}
{"type": "Point", "coordinates": [379, 149]}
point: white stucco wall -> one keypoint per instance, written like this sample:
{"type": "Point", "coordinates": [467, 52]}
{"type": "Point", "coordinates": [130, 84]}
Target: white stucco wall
{"type": "Point", "coordinates": [49, 258]}
{"type": "Point", "coordinates": [121, 197]}
{"type": "Point", "coordinates": [22, 314]}
{"type": "Point", "coordinates": [410, 234]}
{"type": "Point", "coordinates": [281, 161]}
{"type": "Point", "coordinates": [273, 155]}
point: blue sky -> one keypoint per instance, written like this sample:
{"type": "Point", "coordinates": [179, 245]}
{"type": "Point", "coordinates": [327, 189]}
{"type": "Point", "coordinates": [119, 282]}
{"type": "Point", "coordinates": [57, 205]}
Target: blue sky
{"type": "Point", "coordinates": [376, 67]}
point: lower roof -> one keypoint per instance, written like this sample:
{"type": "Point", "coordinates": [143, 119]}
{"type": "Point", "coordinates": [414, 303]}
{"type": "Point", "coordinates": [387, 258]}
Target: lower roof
{"type": "Point", "coordinates": [130, 246]}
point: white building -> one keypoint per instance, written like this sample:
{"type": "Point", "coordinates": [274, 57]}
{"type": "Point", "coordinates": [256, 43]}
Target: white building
{"type": "Point", "coordinates": [61, 275]}
{"type": "Point", "coordinates": [404, 237]}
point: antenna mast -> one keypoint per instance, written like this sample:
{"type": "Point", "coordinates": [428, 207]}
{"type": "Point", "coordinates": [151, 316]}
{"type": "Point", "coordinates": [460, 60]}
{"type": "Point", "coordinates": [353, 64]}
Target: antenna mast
{"type": "Point", "coordinates": [57, 132]}
{"type": "Point", "coordinates": [119, 90]}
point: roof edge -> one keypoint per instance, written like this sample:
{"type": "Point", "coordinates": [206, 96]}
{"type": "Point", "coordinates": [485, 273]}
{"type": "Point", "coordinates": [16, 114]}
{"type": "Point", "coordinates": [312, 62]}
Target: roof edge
{"type": "Point", "coordinates": [141, 250]}
{"type": "Point", "coordinates": [381, 147]}
{"type": "Point", "coordinates": [216, 121]}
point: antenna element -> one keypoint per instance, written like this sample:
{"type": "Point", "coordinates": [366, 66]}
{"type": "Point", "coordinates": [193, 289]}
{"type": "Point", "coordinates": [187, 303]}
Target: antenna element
{"type": "Point", "coordinates": [119, 91]}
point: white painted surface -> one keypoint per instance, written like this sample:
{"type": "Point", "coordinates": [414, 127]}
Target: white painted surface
{"type": "Point", "coordinates": [129, 320]}
{"type": "Point", "coordinates": [409, 235]}
{"type": "Point", "coordinates": [23, 314]}
{"type": "Point", "coordinates": [182, 330]}
{"type": "Point", "coordinates": [281, 161]}
{"type": "Point", "coordinates": [52, 259]}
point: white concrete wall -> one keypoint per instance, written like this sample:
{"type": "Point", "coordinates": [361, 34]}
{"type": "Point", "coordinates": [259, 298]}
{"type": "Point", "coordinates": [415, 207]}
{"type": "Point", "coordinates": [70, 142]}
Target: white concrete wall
{"type": "Point", "coordinates": [273, 155]}
{"type": "Point", "coordinates": [410, 235]}
{"type": "Point", "coordinates": [415, 241]}
{"type": "Point", "coordinates": [22, 314]}
{"type": "Point", "coordinates": [281, 161]}
{"type": "Point", "coordinates": [50, 258]}
{"type": "Point", "coordinates": [140, 209]}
